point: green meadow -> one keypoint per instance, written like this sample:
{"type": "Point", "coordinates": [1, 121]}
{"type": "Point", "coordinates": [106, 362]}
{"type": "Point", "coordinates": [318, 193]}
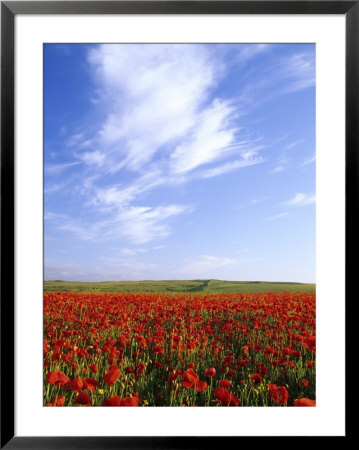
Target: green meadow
{"type": "Point", "coordinates": [205, 286]}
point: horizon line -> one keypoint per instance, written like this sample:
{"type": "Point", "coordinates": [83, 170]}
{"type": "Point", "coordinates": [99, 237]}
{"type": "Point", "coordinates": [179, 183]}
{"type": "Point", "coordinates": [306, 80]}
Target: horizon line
{"type": "Point", "coordinates": [179, 279]}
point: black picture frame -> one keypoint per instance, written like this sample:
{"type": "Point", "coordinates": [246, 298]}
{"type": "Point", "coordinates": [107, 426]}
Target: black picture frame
{"type": "Point", "coordinates": [9, 9]}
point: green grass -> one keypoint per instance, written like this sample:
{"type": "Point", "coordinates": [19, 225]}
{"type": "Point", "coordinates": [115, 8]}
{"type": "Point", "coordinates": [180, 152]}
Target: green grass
{"type": "Point", "coordinates": [205, 286]}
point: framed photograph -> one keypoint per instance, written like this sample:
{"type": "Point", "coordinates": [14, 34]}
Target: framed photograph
{"type": "Point", "coordinates": [178, 191]}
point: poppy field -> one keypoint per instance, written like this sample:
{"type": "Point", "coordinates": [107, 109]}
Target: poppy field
{"type": "Point", "coordinates": [183, 349]}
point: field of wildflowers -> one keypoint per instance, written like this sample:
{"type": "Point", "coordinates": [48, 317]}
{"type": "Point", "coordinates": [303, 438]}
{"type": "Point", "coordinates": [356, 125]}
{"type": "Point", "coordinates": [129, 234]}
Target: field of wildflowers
{"type": "Point", "coordinates": [145, 349]}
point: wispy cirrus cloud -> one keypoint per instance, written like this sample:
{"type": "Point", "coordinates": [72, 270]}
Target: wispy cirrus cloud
{"type": "Point", "coordinates": [277, 216]}
{"type": "Point", "coordinates": [294, 144]}
{"type": "Point", "coordinates": [144, 224]}
{"type": "Point", "coordinates": [55, 169]}
{"type": "Point", "coordinates": [160, 107]}
{"type": "Point", "coordinates": [205, 265]}
{"type": "Point", "coordinates": [278, 169]}
{"type": "Point", "coordinates": [149, 147]}
{"type": "Point", "coordinates": [110, 269]}
{"type": "Point", "coordinates": [231, 166]}
{"type": "Point", "coordinates": [300, 199]}
{"type": "Point", "coordinates": [162, 123]}
{"type": "Point", "coordinates": [132, 251]}
{"type": "Point", "coordinates": [155, 92]}
{"type": "Point", "coordinates": [308, 161]}
{"type": "Point", "coordinates": [161, 126]}
{"type": "Point", "coordinates": [136, 224]}
{"type": "Point", "coordinates": [298, 72]}
{"type": "Point", "coordinates": [285, 75]}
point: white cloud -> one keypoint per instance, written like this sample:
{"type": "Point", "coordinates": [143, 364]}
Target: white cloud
{"type": "Point", "coordinates": [294, 144]}
{"type": "Point", "coordinates": [278, 169]}
{"type": "Point", "coordinates": [205, 265]}
{"type": "Point", "coordinates": [249, 51]}
{"type": "Point", "coordinates": [157, 126]}
{"type": "Point", "coordinates": [160, 124]}
{"type": "Point", "coordinates": [54, 216]}
{"type": "Point", "coordinates": [229, 167]}
{"type": "Point", "coordinates": [157, 100]}
{"type": "Point", "coordinates": [208, 141]}
{"type": "Point", "coordinates": [113, 271]}
{"type": "Point", "coordinates": [121, 196]}
{"type": "Point", "coordinates": [75, 140]}
{"type": "Point", "coordinates": [159, 247]}
{"type": "Point", "coordinates": [143, 224]}
{"type": "Point", "coordinates": [82, 232]}
{"type": "Point", "coordinates": [136, 224]}
{"type": "Point", "coordinates": [92, 158]}
{"type": "Point", "coordinates": [133, 251]}
{"type": "Point", "coordinates": [282, 164]}
{"type": "Point", "coordinates": [285, 76]}
{"type": "Point", "coordinates": [115, 196]}
{"type": "Point", "coordinates": [278, 216]}
{"type": "Point", "coordinates": [55, 169]}
{"type": "Point", "coordinates": [308, 161]}
{"type": "Point", "coordinates": [155, 92]}
{"type": "Point", "coordinates": [53, 188]}
{"type": "Point", "coordinates": [300, 199]}
{"type": "Point", "coordinates": [298, 72]}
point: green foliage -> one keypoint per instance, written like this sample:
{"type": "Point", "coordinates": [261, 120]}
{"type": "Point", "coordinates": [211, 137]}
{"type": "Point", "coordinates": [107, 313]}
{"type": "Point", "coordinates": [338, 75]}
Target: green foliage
{"type": "Point", "coordinates": [200, 286]}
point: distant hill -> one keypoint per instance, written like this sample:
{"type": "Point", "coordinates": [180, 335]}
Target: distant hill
{"type": "Point", "coordinates": [205, 286]}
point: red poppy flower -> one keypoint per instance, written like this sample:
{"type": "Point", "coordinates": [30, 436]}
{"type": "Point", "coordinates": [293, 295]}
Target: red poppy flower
{"type": "Point", "coordinates": [93, 367]}
{"type": "Point", "coordinates": [67, 358]}
{"type": "Point", "coordinates": [140, 371]}
{"type": "Point", "coordinates": [223, 395]}
{"type": "Point", "coordinates": [90, 384]}
{"type": "Point", "coordinates": [158, 349]}
{"type": "Point", "coordinates": [58, 378]}
{"type": "Point", "coordinates": [210, 372]}
{"type": "Point", "coordinates": [279, 394]}
{"type": "Point", "coordinates": [131, 401]}
{"type": "Point", "coordinates": [305, 382]}
{"type": "Point", "coordinates": [226, 397]}
{"type": "Point", "coordinates": [57, 401]}
{"type": "Point", "coordinates": [56, 356]}
{"type": "Point", "coordinates": [224, 383]}
{"type": "Point", "coordinates": [112, 375]}
{"type": "Point", "coordinates": [190, 378]}
{"type": "Point", "coordinates": [83, 399]}
{"type": "Point", "coordinates": [256, 378]}
{"type": "Point", "coordinates": [234, 401]}
{"type": "Point", "coordinates": [81, 330]}
{"type": "Point", "coordinates": [201, 386]}
{"type": "Point", "coordinates": [77, 384]}
{"type": "Point", "coordinates": [304, 402]}
{"type": "Point", "coordinates": [268, 350]}
{"type": "Point", "coordinates": [115, 400]}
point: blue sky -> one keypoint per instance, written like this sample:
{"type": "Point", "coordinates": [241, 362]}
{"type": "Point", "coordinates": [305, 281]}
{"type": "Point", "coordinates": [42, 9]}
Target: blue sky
{"type": "Point", "coordinates": [179, 162]}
